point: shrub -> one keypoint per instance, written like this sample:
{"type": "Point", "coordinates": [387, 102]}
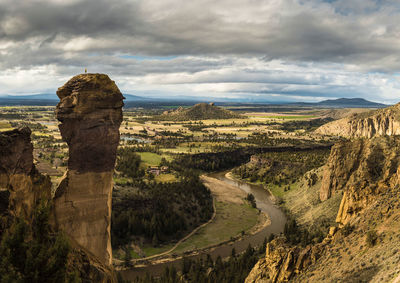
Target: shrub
{"type": "Point", "coordinates": [372, 237]}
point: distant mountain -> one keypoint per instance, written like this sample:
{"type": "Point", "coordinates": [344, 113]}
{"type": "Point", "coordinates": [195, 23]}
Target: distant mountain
{"type": "Point", "coordinates": [51, 99]}
{"type": "Point", "coordinates": [354, 102]}
{"type": "Point", "coordinates": [201, 111]}
{"type": "Point", "coordinates": [131, 97]}
{"type": "Point", "coordinates": [29, 100]}
{"type": "Point", "coordinates": [344, 103]}
{"type": "Point", "coordinates": [41, 96]}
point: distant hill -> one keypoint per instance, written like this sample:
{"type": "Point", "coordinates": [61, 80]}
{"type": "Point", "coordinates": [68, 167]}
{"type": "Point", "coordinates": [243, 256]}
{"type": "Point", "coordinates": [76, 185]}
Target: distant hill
{"type": "Point", "coordinates": [344, 103]}
{"type": "Point", "coordinates": [351, 102]}
{"type": "Point", "coordinates": [131, 97]}
{"type": "Point", "coordinates": [29, 100]}
{"type": "Point", "coordinates": [201, 111]}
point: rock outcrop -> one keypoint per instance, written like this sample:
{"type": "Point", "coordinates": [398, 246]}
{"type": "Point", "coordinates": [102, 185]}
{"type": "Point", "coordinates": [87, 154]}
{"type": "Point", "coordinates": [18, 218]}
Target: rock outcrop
{"type": "Point", "coordinates": [367, 171]}
{"type": "Point", "coordinates": [369, 124]}
{"type": "Point", "coordinates": [282, 261]}
{"type": "Point", "coordinates": [362, 169]}
{"type": "Point", "coordinates": [20, 182]}
{"type": "Point", "coordinates": [90, 112]}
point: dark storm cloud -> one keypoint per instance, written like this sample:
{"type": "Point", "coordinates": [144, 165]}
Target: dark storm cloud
{"type": "Point", "coordinates": [95, 17]}
{"type": "Point", "coordinates": [212, 44]}
{"type": "Point", "coordinates": [311, 31]}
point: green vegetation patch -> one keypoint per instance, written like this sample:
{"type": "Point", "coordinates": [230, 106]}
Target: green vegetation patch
{"type": "Point", "coordinates": [4, 125]}
{"type": "Point", "coordinates": [149, 250]}
{"type": "Point", "coordinates": [153, 159]}
{"type": "Point", "coordinates": [159, 213]}
{"type": "Point", "coordinates": [281, 168]}
{"type": "Point", "coordinates": [166, 178]}
{"type": "Point", "coordinates": [231, 219]}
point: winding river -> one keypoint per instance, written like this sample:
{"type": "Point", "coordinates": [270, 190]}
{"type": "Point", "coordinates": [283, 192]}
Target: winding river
{"type": "Point", "coordinates": [264, 203]}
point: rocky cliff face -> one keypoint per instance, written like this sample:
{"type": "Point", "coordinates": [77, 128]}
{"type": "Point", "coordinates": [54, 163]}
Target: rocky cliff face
{"type": "Point", "coordinates": [362, 169]}
{"type": "Point", "coordinates": [374, 123]}
{"type": "Point", "coordinates": [20, 182]}
{"type": "Point", "coordinates": [90, 112]}
{"type": "Point", "coordinates": [282, 261]}
{"type": "Point", "coordinates": [367, 172]}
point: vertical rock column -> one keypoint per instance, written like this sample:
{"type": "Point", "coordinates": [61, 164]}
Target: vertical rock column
{"type": "Point", "coordinates": [90, 112]}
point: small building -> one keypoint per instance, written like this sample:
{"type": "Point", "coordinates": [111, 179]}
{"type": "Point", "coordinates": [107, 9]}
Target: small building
{"type": "Point", "coordinates": [154, 170]}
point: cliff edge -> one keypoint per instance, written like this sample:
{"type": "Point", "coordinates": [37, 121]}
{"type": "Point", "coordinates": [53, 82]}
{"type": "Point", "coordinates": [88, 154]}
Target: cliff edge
{"type": "Point", "coordinates": [380, 122]}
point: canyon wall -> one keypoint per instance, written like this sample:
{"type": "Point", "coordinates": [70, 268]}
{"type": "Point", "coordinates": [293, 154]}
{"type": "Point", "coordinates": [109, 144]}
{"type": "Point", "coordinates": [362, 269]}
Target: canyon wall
{"type": "Point", "coordinates": [366, 170]}
{"type": "Point", "coordinates": [22, 186]}
{"type": "Point", "coordinates": [362, 169]}
{"type": "Point", "coordinates": [367, 173]}
{"type": "Point", "coordinates": [369, 124]}
{"type": "Point", "coordinates": [90, 112]}
{"type": "Point", "coordinates": [282, 261]}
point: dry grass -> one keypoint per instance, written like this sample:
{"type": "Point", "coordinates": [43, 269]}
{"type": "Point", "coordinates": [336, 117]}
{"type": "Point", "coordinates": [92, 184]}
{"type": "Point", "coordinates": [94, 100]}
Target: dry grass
{"type": "Point", "coordinates": [224, 192]}
{"type": "Point", "coordinates": [304, 204]}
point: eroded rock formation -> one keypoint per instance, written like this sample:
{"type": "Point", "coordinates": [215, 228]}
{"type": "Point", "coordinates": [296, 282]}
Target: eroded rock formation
{"type": "Point", "coordinates": [282, 261]}
{"type": "Point", "coordinates": [370, 124]}
{"type": "Point", "coordinates": [20, 182]}
{"type": "Point", "coordinates": [90, 112]}
{"type": "Point", "coordinates": [362, 169]}
{"type": "Point", "coordinates": [367, 171]}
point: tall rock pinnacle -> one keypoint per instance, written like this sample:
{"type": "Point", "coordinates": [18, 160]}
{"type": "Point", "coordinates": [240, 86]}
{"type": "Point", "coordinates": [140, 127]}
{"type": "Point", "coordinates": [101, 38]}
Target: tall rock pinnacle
{"type": "Point", "coordinates": [90, 112]}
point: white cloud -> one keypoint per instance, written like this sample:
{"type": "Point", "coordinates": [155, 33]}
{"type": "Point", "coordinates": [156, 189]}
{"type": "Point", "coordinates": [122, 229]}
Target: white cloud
{"type": "Point", "coordinates": [277, 48]}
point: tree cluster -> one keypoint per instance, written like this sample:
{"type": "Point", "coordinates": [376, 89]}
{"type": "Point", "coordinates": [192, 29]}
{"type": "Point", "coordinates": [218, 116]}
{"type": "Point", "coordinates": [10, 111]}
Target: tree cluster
{"type": "Point", "coordinates": [205, 270]}
{"type": "Point", "coordinates": [159, 212]}
{"type": "Point", "coordinates": [33, 253]}
{"type": "Point", "coordinates": [282, 168]}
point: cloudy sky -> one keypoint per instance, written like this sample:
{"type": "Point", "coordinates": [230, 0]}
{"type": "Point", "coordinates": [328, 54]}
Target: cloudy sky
{"type": "Point", "coordinates": [276, 50]}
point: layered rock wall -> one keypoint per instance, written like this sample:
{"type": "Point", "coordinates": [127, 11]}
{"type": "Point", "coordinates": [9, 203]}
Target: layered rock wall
{"type": "Point", "coordinates": [20, 181]}
{"type": "Point", "coordinates": [375, 123]}
{"type": "Point", "coordinates": [90, 112]}
{"type": "Point", "coordinates": [362, 169]}
{"type": "Point", "coordinates": [282, 261]}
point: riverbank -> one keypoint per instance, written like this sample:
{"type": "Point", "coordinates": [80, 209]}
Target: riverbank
{"type": "Point", "coordinates": [273, 224]}
{"type": "Point", "coordinates": [232, 177]}
{"type": "Point", "coordinates": [232, 220]}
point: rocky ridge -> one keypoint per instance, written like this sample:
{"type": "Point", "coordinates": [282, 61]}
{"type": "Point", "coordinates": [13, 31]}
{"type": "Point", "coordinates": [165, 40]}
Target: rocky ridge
{"type": "Point", "coordinates": [90, 112]}
{"type": "Point", "coordinates": [362, 169]}
{"type": "Point", "coordinates": [363, 246]}
{"type": "Point", "coordinates": [369, 124]}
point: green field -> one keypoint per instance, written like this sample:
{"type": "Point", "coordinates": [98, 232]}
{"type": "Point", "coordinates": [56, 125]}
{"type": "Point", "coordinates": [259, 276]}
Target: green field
{"type": "Point", "coordinates": [5, 126]}
{"type": "Point", "coordinates": [152, 159]}
{"type": "Point", "coordinates": [150, 250]}
{"type": "Point", "coordinates": [231, 220]}
{"type": "Point", "coordinates": [165, 178]}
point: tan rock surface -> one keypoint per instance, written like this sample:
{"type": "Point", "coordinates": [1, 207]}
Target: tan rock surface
{"type": "Point", "coordinates": [18, 175]}
{"type": "Point", "coordinates": [90, 112]}
{"type": "Point", "coordinates": [369, 124]}
{"type": "Point", "coordinates": [362, 169]}
{"type": "Point", "coordinates": [367, 171]}
{"type": "Point", "coordinates": [282, 261]}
